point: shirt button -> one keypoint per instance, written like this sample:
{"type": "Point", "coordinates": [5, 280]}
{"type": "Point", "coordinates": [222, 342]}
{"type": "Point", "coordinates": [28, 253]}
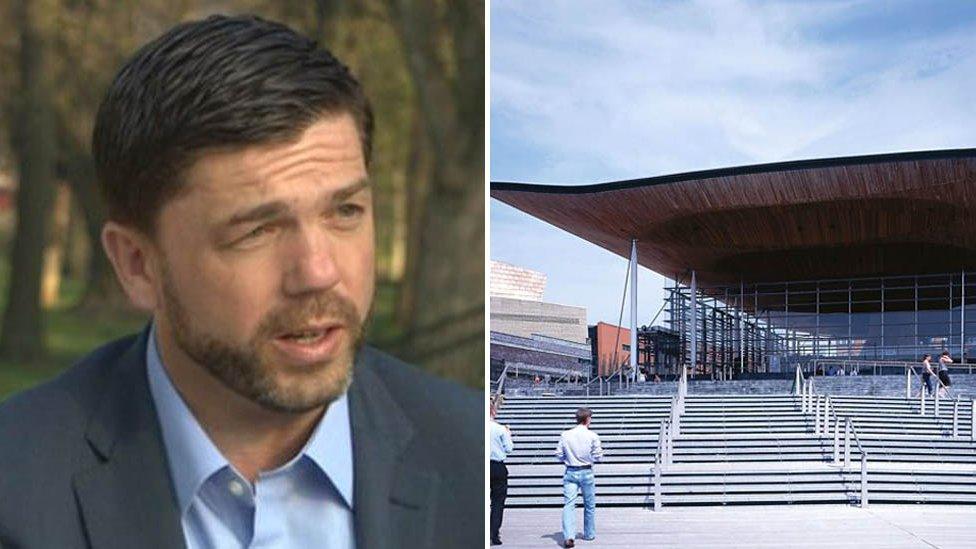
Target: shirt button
{"type": "Point", "coordinates": [236, 488]}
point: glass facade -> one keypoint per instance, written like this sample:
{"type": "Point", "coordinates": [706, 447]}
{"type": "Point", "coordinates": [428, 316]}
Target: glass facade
{"type": "Point", "coordinates": [768, 327]}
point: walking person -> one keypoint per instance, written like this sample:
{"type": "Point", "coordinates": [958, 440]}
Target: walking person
{"type": "Point", "coordinates": [579, 448]}
{"type": "Point", "coordinates": [501, 446]}
{"type": "Point", "coordinates": [944, 382]}
{"type": "Point", "coordinates": [928, 375]}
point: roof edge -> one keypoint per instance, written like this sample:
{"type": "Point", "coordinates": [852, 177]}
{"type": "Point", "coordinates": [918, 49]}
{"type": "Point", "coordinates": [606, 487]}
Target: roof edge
{"type": "Point", "coordinates": [790, 165]}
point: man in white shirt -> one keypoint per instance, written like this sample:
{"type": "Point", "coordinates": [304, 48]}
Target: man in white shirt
{"type": "Point", "coordinates": [501, 446]}
{"type": "Point", "coordinates": [578, 449]}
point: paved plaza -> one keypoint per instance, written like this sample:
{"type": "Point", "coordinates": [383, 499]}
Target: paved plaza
{"type": "Point", "coordinates": [800, 526]}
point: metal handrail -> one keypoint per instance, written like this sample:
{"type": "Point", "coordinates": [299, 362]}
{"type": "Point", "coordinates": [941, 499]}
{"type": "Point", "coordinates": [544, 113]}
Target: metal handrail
{"type": "Point", "coordinates": [501, 381]}
{"type": "Point", "coordinates": [876, 363]}
{"type": "Point", "coordinates": [591, 381]}
{"type": "Point", "coordinates": [830, 411]}
{"type": "Point", "coordinates": [670, 428]}
{"type": "Point", "coordinates": [662, 457]}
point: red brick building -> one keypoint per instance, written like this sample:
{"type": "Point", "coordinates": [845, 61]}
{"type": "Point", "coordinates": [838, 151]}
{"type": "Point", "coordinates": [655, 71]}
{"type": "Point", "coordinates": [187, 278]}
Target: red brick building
{"type": "Point", "coordinates": [603, 337]}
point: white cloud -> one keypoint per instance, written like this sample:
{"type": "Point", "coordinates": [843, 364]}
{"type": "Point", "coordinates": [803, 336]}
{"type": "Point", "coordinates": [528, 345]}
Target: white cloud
{"type": "Point", "coordinates": [632, 92]}
{"type": "Point", "coordinates": [601, 91]}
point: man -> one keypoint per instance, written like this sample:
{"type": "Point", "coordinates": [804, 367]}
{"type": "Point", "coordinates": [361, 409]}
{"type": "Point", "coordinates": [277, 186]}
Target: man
{"type": "Point", "coordinates": [233, 156]}
{"type": "Point", "coordinates": [500, 437]}
{"type": "Point", "coordinates": [928, 375]}
{"type": "Point", "coordinates": [579, 448]}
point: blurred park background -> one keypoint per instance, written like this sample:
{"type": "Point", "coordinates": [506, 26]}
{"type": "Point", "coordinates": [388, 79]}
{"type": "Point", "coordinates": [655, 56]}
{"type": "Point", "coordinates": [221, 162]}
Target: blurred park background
{"type": "Point", "coordinates": [422, 64]}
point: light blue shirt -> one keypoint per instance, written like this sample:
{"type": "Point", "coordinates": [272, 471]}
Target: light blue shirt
{"type": "Point", "coordinates": [306, 502]}
{"type": "Point", "coordinates": [501, 441]}
{"type": "Point", "coordinates": [579, 447]}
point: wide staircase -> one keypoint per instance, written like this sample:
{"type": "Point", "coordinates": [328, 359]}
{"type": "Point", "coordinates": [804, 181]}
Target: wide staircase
{"type": "Point", "coordinates": [750, 449]}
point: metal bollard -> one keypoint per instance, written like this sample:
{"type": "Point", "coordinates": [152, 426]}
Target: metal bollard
{"type": "Point", "coordinates": [816, 415]}
{"type": "Point", "coordinates": [824, 425]}
{"type": "Point", "coordinates": [921, 408]}
{"type": "Point", "coordinates": [670, 448]}
{"type": "Point", "coordinates": [836, 440]}
{"type": "Point", "coordinates": [847, 442]}
{"type": "Point", "coordinates": [937, 391]}
{"type": "Point", "coordinates": [864, 480]}
{"type": "Point", "coordinates": [657, 487]}
{"type": "Point", "coordinates": [908, 383]}
{"type": "Point", "coordinates": [955, 418]}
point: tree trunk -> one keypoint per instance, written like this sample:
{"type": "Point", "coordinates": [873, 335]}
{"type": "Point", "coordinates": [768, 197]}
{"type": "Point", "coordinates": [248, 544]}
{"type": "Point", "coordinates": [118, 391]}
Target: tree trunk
{"type": "Point", "coordinates": [447, 331]}
{"type": "Point", "coordinates": [22, 336]}
{"type": "Point", "coordinates": [418, 172]}
{"type": "Point", "coordinates": [54, 252]}
{"type": "Point", "coordinates": [78, 170]}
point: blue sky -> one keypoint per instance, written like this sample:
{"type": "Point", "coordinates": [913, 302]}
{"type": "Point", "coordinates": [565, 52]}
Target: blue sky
{"type": "Point", "coordinates": [587, 92]}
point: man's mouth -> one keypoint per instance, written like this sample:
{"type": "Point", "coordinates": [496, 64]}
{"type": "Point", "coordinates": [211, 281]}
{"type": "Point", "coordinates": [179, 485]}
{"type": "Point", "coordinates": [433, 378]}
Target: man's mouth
{"type": "Point", "coordinates": [310, 344]}
{"type": "Point", "coordinates": [305, 337]}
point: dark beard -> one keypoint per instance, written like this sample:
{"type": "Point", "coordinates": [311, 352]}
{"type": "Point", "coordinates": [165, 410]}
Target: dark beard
{"type": "Point", "coordinates": [249, 372]}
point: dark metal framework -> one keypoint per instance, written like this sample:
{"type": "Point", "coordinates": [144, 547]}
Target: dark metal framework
{"type": "Point", "coordinates": [769, 327]}
{"type": "Point", "coordinates": [659, 350]}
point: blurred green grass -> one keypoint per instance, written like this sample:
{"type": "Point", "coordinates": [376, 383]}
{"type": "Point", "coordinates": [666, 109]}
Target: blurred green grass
{"type": "Point", "coordinates": [72, 332]}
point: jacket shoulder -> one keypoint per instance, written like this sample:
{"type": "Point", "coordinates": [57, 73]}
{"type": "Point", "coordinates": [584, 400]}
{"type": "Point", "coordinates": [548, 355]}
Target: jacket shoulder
{"type": "Point", "coordinates": [72, 395]}
{"type": "Point", "coordinates": [43, 445]}
{"type": "Point", "coordinates": [428, 399]}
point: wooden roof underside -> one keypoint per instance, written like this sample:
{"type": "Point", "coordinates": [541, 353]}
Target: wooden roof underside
{"type": "Point", "coordinates": [909, 213]}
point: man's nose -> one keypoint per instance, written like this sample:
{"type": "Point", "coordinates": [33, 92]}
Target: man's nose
{"type": "Point", "coordinates": [312, 265]}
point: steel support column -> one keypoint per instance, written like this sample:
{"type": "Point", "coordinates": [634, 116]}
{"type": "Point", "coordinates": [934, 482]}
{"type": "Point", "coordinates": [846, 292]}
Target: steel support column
{"type": "Point", "coordinates": [633, 309]}
{"type": "Point", "coordinates": [694, 320]}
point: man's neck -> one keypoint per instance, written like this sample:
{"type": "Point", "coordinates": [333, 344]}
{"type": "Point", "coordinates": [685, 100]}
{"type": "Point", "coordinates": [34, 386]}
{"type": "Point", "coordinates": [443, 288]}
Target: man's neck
{"type": "Point", "coordinates": [251, 437]}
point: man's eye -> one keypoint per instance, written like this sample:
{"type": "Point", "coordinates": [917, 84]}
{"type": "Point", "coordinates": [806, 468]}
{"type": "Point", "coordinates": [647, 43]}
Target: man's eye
{"type": "Point", "coordinates": [350, 210]}
{"type": "Point", "coordinates": [257, 232]}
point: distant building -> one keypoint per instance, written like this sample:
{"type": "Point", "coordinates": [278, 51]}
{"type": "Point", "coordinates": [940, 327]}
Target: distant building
{"type": "Point", "coordinates": [540, 356]}
{"type": "Point", "coordinates": [517, 307]}
{"type": "Point", "coordinates": [513, 282]}
{"type": "Point", "coordinates": [528, 318]}
{"type": "Point", "coordinates": [603, 339]}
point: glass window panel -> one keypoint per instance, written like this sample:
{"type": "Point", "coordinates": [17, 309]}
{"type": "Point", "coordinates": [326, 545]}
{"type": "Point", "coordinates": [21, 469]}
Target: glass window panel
{"type": "Point", "coordinates": [865, 284]}
{"type": "Point", "coordinates": [900, 282]}
{"type": "Point", "coordinates": [933, 293]}
{"type": "Point", "coordinates": [834, 319]}
{"type": "Point", "coordinates": [899, 317]}
{"type": "Point", "coordinates": [866, 295]}
{"type": "Point", "coordinates": [867, 307]}
{"type": "Point", "coordinates": [933, 280]}
{"type": "Point", "coordinates": [892, 294]}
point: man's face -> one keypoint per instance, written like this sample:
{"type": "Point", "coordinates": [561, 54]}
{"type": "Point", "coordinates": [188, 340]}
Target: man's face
{"type": "Point", "coordinates": [267, 269]}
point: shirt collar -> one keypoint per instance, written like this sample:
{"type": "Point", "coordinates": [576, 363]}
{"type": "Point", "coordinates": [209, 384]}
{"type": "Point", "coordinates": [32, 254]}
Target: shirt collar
{"type": "Point", "coordinates": [193, 457]}
{"type": "Point", "coordinates": [330, 448]}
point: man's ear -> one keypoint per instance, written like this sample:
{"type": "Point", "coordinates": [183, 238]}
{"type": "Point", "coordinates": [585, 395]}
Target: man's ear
{"type": "Point", "coordinates": [132, 255]}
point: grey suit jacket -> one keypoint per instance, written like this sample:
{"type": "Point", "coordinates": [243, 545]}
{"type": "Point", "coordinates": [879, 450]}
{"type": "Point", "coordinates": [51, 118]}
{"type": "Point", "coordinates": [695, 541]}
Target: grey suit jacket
{"type": "Point", "coordinates": [82, 462]}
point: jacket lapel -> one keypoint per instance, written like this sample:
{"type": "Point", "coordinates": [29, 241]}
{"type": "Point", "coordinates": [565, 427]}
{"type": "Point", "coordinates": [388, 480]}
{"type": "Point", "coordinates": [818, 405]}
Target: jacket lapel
{"type": "Point", "coordinates": [127, 500]}
{"type": "Point", "coordinates": [394, 495]}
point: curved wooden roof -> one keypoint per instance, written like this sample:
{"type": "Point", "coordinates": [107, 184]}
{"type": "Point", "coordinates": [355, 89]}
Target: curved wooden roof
{"type": "Point", "coordinates": [906, 213]}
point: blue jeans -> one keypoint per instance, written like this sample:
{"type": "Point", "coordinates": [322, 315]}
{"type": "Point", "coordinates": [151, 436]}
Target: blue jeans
{"type": "Point", "coordinates": [575, 481]}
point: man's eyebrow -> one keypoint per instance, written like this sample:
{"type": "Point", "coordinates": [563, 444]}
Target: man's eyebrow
{"type": "Point", "coordinates": [350, 190]}
{"type": "Point", "coordinates": [276, 208]}
{"type": "Point", "coordinates": [261, 212]}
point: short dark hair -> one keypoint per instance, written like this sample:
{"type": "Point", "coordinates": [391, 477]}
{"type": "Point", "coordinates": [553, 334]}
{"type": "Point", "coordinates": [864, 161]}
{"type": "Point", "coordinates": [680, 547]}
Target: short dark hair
{"type": "Point", "coordinates": [222, 82]}
{"type": "Point", "coordinates": [583, 414]}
